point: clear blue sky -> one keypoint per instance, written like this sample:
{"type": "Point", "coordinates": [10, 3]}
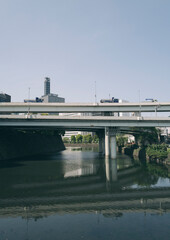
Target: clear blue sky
{"type": "Point", "coordinates": [123, 45]}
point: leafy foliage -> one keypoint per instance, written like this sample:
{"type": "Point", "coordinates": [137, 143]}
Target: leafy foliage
{"type": "Point", "coordinates": [157, 151]}
{"type": "Point", "coordinates": [84, 139]}
{"type": "Point", "coordinates": [79, 138]}
{"type": "Point", "coordinates": [121, 141]}
{"type": "Point", "coordinates": [87, 138]}
{"type": "Point", "coordinates": [95, 139]}
{"type": "Point", "coordinates": [156, 170]}
{"type": "Point", "coordinates": [73, 139]}
{"type": "Point", "coordinates": [148, 135]}
{"type": "Point", "coordinates": [66, 140]}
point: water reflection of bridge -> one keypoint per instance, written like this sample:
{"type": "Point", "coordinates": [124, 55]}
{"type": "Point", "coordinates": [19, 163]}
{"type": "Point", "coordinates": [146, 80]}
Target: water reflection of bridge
{"type": "Point", "coordinates": [91, 193]}
{"type": "Point", "coordinates": [156, 205]}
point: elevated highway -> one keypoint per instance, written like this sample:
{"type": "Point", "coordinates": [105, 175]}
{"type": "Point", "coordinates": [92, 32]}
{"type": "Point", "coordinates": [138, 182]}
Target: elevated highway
{"type": "Point", "coordinates": [81, 122]}
{"type": "Point", "coordinates": [95, 117]}
{"type": "Point", "coordinates": [83, 107]}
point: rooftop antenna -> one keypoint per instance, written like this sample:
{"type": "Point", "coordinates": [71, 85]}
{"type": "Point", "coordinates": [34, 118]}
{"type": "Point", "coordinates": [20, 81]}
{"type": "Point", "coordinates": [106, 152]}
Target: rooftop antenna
{"type": "Point", "coordinates": [28, 100]}
{"type": "Point", "coordinates": [29, 93]}
{"type": "Point", "coordinates": [139, 105]}
{"type": "Point", "coordinates": [95, 95]}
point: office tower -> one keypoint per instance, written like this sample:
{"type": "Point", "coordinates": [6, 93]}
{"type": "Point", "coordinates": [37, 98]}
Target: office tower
{"type": "Point", "coordinates": [50, 97]}
{"type": "Point", "coordinates": [46, 86]}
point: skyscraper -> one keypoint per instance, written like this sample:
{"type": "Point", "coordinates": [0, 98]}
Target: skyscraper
{"type": "Point", "coordinates": [46, 86]}
{"type": "Point", "coordinates": [48, 96]}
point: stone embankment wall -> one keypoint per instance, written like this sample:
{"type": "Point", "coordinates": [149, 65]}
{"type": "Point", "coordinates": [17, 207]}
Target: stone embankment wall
{"type": "Point", "coordinates": [139, 153]}
{"type": "Point", "coordinates": [17, 144]}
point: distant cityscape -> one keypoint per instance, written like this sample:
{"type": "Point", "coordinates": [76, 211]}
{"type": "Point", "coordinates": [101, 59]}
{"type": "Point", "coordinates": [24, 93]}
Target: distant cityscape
{"type": "Point", "coordinates": [48, 97]}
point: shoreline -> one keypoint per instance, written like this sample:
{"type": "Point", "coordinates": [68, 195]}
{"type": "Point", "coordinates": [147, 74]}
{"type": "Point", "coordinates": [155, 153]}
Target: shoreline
{"type": "Point", "coordinates": [81, 144]}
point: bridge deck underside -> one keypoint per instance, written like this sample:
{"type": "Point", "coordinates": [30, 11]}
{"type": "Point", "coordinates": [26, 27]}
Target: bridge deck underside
{"type": "Point", "coordinates": [84, 122]}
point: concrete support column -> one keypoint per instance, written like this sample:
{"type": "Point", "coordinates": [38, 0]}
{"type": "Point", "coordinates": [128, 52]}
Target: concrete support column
{"type": "Point", "coordinates": [113, 146]}
{"type": "Point", "coordinates": [100, 144]}
{"type": "Point", "coordinates": [101, 140]}
{"type": "Point", "coordinates": [107, 142]}
{"type": "Point", "coordinates": [103, 145]}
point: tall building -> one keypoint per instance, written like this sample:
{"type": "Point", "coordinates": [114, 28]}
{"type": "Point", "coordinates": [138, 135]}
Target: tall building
{"type": "Point", "coordinates": [5, 97]}
{"type": "Point", "coordinates": [50, 97]}
{"type": "Point", "coordinates": [53, 98]}
{"type": "Point", "coordinates": [46, 86]}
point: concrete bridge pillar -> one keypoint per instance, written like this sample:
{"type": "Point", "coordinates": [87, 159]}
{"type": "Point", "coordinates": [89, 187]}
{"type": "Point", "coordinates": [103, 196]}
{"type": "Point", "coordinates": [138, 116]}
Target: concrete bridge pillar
{"type": "Point", "coordinates": [101, 143]}
{"type": "Point", "coordinates": [113, 144]}
{"type": "Point", "coordinates": [110, 142]}
{"type": "Point", "coordinates": [107, 142]}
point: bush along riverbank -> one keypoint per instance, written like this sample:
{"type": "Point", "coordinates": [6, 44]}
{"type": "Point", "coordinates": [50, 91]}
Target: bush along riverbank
{"type": "Point", "coordinates": [157, 153]}
{"type": "Point", "coordinates": [153, 153]}
{"type": "Point", "coordinates": [147, 147]}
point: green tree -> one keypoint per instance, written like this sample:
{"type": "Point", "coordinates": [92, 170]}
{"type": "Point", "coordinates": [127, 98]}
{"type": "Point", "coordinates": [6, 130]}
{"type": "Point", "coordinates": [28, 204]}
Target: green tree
{"type": "Point", "coordinates": [146, 135]}
{"type": "Point", "coordinates": [87, 138]}
{"type": "Point", "coordinates": [121, 141]}
{"type": "Point", "coordinates": [95, 139]}
{"type": "Point", "coordinates": [66, 140]}
{"type": "Point", "coordinates": [157, 151]}
{"type": "Point", "coordinates": [79, 138]}
{"type": "Point", "coordinates": [73, 139]}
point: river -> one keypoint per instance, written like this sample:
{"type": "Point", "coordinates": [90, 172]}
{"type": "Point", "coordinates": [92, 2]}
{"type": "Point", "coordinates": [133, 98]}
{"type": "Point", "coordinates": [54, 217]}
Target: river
{"type": "Point", "coordinates": [77, 194]}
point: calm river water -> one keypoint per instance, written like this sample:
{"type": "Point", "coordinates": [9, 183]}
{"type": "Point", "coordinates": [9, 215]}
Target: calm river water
{"type": "Point", "coordinates": [78, 195]}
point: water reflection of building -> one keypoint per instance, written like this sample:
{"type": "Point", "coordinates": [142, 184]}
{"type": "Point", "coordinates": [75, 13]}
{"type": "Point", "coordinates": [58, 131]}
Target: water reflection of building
{"type": "Point", "coordinates": [84, 171]}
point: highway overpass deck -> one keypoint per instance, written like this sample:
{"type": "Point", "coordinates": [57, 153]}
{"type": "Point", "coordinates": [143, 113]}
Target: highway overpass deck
{"type": "Point", "coordinates": [84, 107]}
{"type": "Point", "coordinates": [78, 122]}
